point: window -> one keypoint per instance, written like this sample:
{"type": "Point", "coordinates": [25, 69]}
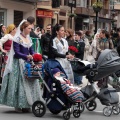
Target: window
{"type": "Point", "coordinates": [18, 17]}
{"type": "Point", "coordinates": [81, 3]}
{"type": "Point", "coordinates": [3, 16]}
{"type": "Point", "coordinates": [66, 2]}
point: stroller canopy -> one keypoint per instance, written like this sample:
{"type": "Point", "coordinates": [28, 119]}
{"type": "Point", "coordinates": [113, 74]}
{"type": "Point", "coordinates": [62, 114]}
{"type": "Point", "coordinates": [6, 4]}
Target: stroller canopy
{"type": "Point", "coordinates": [108, 63]}
{"type": "Point", "coordinates": [51, 64]}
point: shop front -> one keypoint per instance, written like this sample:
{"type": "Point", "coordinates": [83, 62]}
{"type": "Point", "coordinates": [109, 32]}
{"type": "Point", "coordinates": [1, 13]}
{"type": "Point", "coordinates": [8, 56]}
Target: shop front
{"type": "Point", "coordinates": [43, 18]}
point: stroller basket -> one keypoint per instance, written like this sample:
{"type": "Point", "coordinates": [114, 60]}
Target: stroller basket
{"type": "Point", "coordinates": [108, 96]}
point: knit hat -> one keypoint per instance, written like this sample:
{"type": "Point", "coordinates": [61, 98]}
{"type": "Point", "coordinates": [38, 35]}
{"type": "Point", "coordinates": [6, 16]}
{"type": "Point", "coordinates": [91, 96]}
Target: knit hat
{"type": "Point", "coordinates": [55, 70]}
{"type": "Point", "coordinates": [10, 28]}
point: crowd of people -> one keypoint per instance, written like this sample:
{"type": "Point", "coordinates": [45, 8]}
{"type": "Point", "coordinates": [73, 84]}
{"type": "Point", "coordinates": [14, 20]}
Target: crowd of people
{"type": "Point", "coordinates": [19, 44]}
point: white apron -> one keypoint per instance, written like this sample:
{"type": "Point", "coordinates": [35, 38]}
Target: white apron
{"type": "Point", "coordinates": [62, 49]}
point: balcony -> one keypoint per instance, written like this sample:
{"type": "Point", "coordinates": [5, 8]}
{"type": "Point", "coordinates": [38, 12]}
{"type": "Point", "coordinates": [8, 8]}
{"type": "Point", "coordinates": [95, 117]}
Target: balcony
{"type": "Point", "coordinates": [84, 11]}
{"type": "Point", "coordinates": [90, 12]}
{"type": "Point", "coordinates": [103, 13]}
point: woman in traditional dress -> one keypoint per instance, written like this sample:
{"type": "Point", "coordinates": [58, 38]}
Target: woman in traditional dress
{"type": "Point", "coordinates": [17, 91]}
{"type": "Point", "coordinates": [59, 50]}
{"type": "Point", "coordinates": [6, 41]}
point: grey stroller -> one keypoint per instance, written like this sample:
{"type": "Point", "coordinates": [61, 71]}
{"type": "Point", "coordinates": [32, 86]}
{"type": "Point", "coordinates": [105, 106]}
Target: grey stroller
{"type": "Point", "coordinates": [108, 63]}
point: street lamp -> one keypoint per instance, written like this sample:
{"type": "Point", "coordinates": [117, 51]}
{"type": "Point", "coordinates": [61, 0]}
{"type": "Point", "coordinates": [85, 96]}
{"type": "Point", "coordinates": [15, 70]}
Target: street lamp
{"type": "Point", "coordinates": [113, 13]}
{"type": "Point", "coordinates": [72, 3]}
{"type": "Point", "coordinates": [97, 6]}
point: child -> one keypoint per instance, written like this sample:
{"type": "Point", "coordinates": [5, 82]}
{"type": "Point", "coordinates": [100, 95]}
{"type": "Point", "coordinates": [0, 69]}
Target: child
{"type": "Point", "coordinates": [73, 92]}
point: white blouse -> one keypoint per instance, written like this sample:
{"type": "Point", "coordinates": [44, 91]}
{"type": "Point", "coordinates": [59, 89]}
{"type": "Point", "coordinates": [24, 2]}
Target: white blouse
{"type": "Point", "coordinates": [5, 38]}
{"type": "Point", "coordinates": [61, 48]}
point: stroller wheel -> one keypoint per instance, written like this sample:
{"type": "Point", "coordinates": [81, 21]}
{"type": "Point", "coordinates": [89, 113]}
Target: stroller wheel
{"type": "Point", "coordinates": [76, 113]}
{"type": "Point", "coordinates": [82, 107]}
{"type": "Point", "coordinates": [66, 115]}
{"type": "Point", "coordinates": [38, 108]}
{"type": "Point", "coordinates": [91, 105]}
{"type": "Point", "coordinates": [107, 111]}
{"type": "Point", "coordinates": [116, 110]}
{"type": "Point", "coordinates": [55, 111]}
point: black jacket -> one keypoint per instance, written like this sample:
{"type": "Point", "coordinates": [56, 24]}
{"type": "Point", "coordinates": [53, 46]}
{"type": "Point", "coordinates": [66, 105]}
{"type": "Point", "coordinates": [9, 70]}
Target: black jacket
{"type": "Point", "coordinates": [80, 45]}
{"type": "Point", "coordinates": [52, 54]}
{"type": "Point", "coordinates": [33, 35]}
{"type": "Point", "coordinates": [45, 43]}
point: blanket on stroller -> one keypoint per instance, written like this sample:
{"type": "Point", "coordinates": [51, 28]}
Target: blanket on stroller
{"type": "Point", "coordinates": [72, 92]}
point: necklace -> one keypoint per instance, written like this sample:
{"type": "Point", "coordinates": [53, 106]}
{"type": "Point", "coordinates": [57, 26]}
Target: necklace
{"type": "Point", "coordinates": [23, 35]}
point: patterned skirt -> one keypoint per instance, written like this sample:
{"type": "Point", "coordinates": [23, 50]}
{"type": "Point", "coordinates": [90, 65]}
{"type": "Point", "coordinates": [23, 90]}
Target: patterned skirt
{"type": "Point", "coordinates": [18, 92]}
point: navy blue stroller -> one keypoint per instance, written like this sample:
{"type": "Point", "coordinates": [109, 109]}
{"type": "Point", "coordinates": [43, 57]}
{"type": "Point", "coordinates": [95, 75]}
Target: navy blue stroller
{"type": "Point", "coordinates": [56, 99]}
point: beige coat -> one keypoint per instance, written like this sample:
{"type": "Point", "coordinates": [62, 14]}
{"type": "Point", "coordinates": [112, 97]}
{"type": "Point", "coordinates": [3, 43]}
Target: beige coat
{"type": "Point", "coordinates": [86, 50]}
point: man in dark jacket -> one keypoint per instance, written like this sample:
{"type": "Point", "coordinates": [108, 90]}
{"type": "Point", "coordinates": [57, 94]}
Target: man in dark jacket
{"type": "Point", "coordinates": [45, 40]}
{"type": "Point", "coordinates": [31, 20]}
{"type": "Point", "coordinates": [80, 45]}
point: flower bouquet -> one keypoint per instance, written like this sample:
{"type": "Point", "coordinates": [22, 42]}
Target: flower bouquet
{"type": "Point", "coordinates": [37, 57]}
{"type": "Point", "coordinates": [72, 50]}
{"type": "Point", "coordinates": [31, 70]}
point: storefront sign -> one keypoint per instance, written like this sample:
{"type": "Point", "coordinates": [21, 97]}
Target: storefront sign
{"type": "Point", "coordinates": [43, 13]}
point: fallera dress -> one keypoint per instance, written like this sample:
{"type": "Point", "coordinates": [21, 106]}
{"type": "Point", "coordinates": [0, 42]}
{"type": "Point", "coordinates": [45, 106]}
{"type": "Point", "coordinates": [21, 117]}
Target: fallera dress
{"type": "Point", "coordinates": [16, 91]}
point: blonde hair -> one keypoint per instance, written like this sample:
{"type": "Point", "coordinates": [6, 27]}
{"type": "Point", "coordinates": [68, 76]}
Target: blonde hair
{"type": "Point", "coordinates": [10, 28]}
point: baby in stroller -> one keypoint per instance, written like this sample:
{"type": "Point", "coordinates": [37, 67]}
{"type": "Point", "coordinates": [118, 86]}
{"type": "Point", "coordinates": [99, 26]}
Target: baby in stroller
{"type": "Point", "coordinates": [73, 92]}
{"type": "Point", "coordinates": [56, 97]}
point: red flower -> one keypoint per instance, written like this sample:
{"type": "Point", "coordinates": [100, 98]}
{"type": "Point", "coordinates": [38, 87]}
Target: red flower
{"type": "Point", "coordinates": [37, 57]}
{"type": "Point", "coordinates": [73, 49]}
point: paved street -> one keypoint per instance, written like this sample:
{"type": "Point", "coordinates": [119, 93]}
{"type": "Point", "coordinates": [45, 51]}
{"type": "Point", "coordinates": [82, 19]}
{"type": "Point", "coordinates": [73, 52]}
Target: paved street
{"type": "Point", "coordinates": [8, 113]}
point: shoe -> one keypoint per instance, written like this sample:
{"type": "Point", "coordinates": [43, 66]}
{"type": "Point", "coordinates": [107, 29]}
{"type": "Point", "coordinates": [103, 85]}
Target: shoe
{"type": "Point", "coordinates": [18, 110]}
{"type": "Point", "coordinates": [26, 110]}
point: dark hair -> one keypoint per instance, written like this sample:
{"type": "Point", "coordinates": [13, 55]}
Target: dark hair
{"type": "Point", "coordinates": [54, 29]}
{"type": "Point", "coordinates": [107, 35]}
{"type": "Point", "coordinates": [78, 33]}
{"type": "Point", "coordinates": [87, 33]}
{"type": "Point", "coordinates": [31, 19]}
{"type": "Point", "coordinates": [118, 29]}
{"type": "Point", "coordinates": [42, 29]}
{"type": "Point", "coordinates": [1, 28]}
{"type": "Point", "coordinates": [24, 25]}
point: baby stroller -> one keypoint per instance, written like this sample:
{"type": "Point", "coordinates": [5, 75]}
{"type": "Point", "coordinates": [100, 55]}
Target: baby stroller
{"type": "Point", "coordinates": [108, 63]}
{"type": "Point", "coordinates": [56, 99]}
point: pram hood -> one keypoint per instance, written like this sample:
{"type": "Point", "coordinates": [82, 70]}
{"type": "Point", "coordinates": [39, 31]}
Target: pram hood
{"type": "Point", "coordinates": [108, 63]}
{"type": "Point", "coordinates": [51, 64]}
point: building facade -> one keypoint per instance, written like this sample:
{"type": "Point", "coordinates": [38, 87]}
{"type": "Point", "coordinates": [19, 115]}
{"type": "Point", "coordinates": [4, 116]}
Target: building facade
{"type": "Point", "coordinates": [51, 14]}
{"type": "Point", "coordinates": [13, 11]}
{"type": "Point", "coordinates": [86, 15]}
{"type": "Point", "coordinates": [56, 11]}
